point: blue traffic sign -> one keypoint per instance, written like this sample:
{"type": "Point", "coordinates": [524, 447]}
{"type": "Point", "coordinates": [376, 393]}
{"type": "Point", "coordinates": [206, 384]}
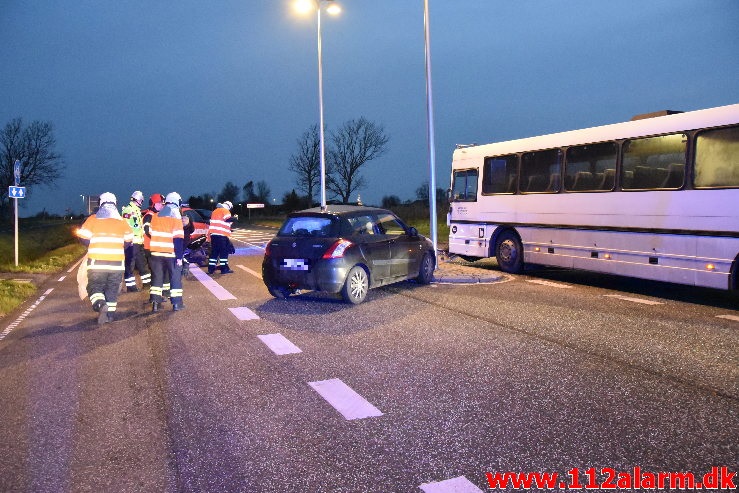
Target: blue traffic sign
{"type": "Point", "coordinates": [16, 192]}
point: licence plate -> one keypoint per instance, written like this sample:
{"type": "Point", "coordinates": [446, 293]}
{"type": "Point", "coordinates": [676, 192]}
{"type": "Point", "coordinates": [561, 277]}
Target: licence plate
{"type": "Point", "coordinates": [294, 264]}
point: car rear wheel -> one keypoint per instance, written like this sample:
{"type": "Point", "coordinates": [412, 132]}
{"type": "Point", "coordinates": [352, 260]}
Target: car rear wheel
{"type": "Point", "coordinates": [279, 292]}
{"type": "Point", "coordinates": [426, 272]}
{"type": "Point", "coordinates": [356, 286]}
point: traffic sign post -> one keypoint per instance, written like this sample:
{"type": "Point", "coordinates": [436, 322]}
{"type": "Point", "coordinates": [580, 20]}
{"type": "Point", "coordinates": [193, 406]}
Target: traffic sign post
{"type": "Point", "coordinates": [16, 192]}
{"type": "Point", "coordinates": [249, 207]}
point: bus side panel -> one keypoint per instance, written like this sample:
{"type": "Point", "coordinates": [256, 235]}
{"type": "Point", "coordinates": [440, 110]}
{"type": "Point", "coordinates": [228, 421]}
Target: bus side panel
{"type": "Point", "coordinates": [685, 259]}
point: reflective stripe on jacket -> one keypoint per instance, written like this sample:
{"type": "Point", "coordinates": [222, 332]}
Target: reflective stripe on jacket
{"type": "Point", "coordinates": [164, 231]}
{"type": "Point", "coordinates": [132, 214]}
{"type": "Point", "coordinates": [107, 238]}
{"type": "Point", "coordinates": [219, 222]}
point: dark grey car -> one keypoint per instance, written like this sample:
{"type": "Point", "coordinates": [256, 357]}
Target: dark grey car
{"type": "Point", "coordinates": [347, 250]}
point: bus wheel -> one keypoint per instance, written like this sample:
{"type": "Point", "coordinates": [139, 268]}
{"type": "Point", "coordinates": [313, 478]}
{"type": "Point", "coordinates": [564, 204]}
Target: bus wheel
{"type": "Point", "coordinates": [509, 252]}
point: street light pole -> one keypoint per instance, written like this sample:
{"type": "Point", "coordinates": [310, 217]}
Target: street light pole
{"type": "Point", "coordinates": [430, 128]}
{"type": "Point", "coordinates": [332, 8]}
{"type": "Point", "coordinates": [321, 138]}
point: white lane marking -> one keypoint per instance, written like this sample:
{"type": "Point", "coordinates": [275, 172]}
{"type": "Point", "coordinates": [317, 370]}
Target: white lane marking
{"type": "Point", "coordinates": [279, 344]}
{"type": "Point", "coordinates": [729, 317]}
{"type": "Point", "coordinates": [20, 319]}
{"type": "Point", "coordinates": [454, 485]}
{"type": "Point", "coordinates": [216, 289]}
{"type": "Point", "coordinates": [549, 283]}
{"type": "Point", "coordinates": [75, 265]}
{"type": "Point", "coordinates": [62, 278]}
{"type": "Point", "coordinates": [243, 313]}
{"type": "Point", "coordinates": [344, 399]}
{"type": "Point", "coordinates": [634, 300]}
{"type": "Point", "coordinates": [247, 269]}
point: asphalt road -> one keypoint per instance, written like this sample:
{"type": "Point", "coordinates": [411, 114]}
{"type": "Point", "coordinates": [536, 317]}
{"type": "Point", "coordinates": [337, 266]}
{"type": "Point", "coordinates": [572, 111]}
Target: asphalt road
{"type": "Point", "coordinates": [546, 371]}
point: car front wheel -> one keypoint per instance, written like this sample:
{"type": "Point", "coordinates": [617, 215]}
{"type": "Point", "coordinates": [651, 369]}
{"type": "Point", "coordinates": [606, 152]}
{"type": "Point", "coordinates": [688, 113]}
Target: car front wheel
{"type": "Point", "coordinates": [356, 286]}
{"type": "Point", "coordinates": [426, 272]}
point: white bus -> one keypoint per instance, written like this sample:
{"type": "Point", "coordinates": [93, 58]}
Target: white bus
{"type": "Point", "coordinates": [654, 198]}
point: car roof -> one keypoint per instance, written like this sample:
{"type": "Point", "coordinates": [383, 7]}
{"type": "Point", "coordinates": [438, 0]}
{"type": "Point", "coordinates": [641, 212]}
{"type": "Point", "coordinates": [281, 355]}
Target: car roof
{"type": "Point", "coordinates": [341, 210]}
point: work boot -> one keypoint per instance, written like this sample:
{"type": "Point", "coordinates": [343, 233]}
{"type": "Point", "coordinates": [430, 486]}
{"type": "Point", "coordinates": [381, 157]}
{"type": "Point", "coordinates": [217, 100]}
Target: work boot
{"type": "Point", "coordinates": [155, 306]}
{"type": "Point", "coordinates": [178, 306]}
{"type": "Point", "coordinates": [103, 314]}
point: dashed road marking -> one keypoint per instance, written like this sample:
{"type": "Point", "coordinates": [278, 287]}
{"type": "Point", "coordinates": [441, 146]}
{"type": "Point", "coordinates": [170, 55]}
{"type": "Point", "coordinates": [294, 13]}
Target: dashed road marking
{"type": "Point", "coordinates": [549, 283]}
{"type": "Point", "coordinates": [455, 485]}
{"type": "Point", "coordinates": [279, 344]}
{"type": "Point", "coordinates": [634, 300]}
{"type": "Point", "coordinates": [243, 313]}
{"type": "Point", "coordinates": [62, 278]}
{"type": "Point", "coordinates": [344, 399]}
{"type": "Point", "coordinates": [23, 315]}
{"type": "Point", "coordinates": [75, 265]}
{"type": "Point", "coordinates": [729, 317]}
{"type": "Point", "coordinates": [247, 269]}
{"type": "Point", "coordinates": [216, 289]}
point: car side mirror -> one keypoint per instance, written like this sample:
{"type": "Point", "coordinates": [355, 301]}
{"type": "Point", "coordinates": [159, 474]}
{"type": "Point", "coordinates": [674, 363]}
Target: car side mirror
{"type": "Point", "coordinates": [412, 232]}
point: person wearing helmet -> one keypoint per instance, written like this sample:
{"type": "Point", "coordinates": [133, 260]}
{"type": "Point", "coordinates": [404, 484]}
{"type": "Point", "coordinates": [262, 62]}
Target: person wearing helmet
{"type": "Point", "coordinates": [167, 249]}
{"type": "Point", "coordinates": [135, 258]}
{"type": "Point", "coordinates": [107, 235]}
{"type": "Point", "coordinates": [219, 232]}
{"type": "Point", "coordinates": [156, 203]}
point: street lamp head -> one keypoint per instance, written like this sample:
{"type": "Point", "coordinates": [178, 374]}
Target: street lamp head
{"type": "Point", "coordinates": [333, 8]}
{"type": "Point", "coordinates": [306, 6]}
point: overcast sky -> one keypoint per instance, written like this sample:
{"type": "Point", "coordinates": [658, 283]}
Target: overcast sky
{"type": "Point", "coordinates": [162, 95]}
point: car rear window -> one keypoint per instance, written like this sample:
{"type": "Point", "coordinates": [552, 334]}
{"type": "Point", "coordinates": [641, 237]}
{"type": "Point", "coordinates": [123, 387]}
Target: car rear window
{"type": "Point", "coordinates": [307, 226]}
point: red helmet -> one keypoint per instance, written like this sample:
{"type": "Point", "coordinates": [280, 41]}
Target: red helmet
{"type": "Point", "coordinates": [156, 198]}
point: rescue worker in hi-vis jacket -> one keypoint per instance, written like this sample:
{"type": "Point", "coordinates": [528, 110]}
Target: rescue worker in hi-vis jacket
{"type": "Point", "coordinates": [166, 241]}
{"type": "Point", "coordinates": [219, 231]}
{"type": "Point", "coordinates": [106, 236]}
{"type": "Point", "coordinates": [156, 203]}
{"type": "Point", "coordinates": [135, 258]}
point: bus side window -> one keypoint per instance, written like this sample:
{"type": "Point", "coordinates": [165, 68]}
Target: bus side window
{"type": "Point", "coordinates": [717, 158]}
{"type": "Point", "coordinates": [650, 160]}
{"type": "Point", "coordinates": [591, 167]}
{"type": "Point", "coordinates": [499, 174]}
{"type": "Point", "coordinates": [538, 170]}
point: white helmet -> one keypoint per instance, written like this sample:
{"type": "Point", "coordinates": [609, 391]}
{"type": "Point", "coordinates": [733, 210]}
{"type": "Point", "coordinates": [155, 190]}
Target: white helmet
{"type": "Point", "coordinates": [228, 205]}
{"type": "Point", "coordinates": [173, 198]}
{"type": "Point", "coordinates": [138, 197]}
{"type": "Point", "coordinates": [107, 198]}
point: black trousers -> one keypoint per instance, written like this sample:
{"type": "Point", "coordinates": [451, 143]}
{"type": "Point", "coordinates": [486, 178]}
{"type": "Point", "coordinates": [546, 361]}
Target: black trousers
{"type": "Point", "coordinates": [136, 261]}
{"type": "Point", "coordinates": [103, 287]}
{"type": "Point", "coordinates": [165, 268]}
{"type": "Point", "coordinates": [219, 249]}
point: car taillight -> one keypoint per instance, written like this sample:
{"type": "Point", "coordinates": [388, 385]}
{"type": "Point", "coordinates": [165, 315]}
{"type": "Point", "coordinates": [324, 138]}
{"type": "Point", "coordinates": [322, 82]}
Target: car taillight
{"type": "Point", "coordinates": [337, 249]}
{"type": "Point", "coordinates": [267, 249]}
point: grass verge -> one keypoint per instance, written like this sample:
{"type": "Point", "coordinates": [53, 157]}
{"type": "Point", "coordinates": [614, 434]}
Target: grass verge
{"type": "Point", "coordinates": [13, 294]}
{"type": "Point", "coordinates": [42, 249]}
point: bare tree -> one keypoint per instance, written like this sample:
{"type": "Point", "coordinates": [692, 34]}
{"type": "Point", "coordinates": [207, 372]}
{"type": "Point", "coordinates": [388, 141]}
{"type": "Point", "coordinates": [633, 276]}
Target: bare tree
{"type": "Point", "coordinates": [33, 146]}
{"type": "Point", "coordinates": [249, 194]}
{"type": "Point", "coordinates": [306, 162]}
{"type": "Point", "coordinates": [354, 144]}
{"type": "Point", "coordinates": [263, 192]}
{"type": "Point", "coordinates": [230, 192]}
